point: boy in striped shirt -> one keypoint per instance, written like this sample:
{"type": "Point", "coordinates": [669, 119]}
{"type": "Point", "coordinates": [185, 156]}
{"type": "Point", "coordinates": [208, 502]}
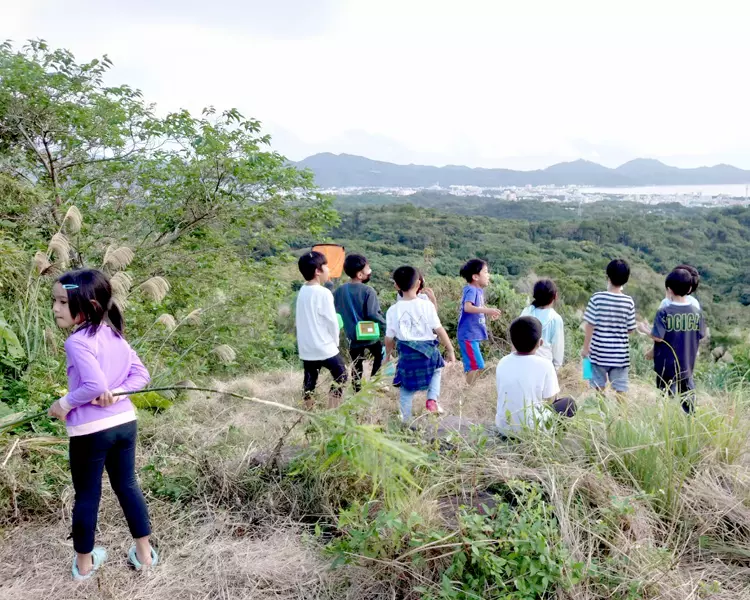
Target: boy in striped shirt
{"type": "Point", "coordinates": [609, 322]}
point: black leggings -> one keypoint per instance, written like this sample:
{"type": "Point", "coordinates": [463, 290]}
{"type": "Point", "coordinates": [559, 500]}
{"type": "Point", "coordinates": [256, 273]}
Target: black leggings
{"type": "Point", "coordinates": [358, 362]}
{"type": "Point", "coordinates": [335, 365]}
{"type": "Point", "coordinates": [89, 455]}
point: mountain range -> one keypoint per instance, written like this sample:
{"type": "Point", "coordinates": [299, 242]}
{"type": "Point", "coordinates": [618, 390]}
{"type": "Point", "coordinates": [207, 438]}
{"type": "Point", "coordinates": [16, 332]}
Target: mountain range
{"type": "Point", "coordinates": [347, 170]}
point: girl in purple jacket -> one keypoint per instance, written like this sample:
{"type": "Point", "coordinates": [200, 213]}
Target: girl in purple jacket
{"type": "Point", "coordinates": [101, 425]}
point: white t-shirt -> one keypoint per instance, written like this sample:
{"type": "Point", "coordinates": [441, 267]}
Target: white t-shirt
{"type": "Point", "coordinates": [412, 321]}
{"type": "Point", "coordinates": [690, 300]}
{"type": "Point", "coordinates": [317, 324]}
{"type": "Point", "coordinates": [400, 298]}
{"type": "Point", "coordinates": [523, 383]}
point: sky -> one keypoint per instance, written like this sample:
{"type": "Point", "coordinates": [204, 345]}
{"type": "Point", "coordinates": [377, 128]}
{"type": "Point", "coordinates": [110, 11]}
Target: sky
{"type": "Point", "coordinates": [484, 83]}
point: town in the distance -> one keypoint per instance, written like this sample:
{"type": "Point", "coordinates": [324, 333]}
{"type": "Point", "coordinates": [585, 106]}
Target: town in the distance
{"type": "Point", "coordinates": [694, 195]}
{"type": "Point", "coordinates": [644, 181]}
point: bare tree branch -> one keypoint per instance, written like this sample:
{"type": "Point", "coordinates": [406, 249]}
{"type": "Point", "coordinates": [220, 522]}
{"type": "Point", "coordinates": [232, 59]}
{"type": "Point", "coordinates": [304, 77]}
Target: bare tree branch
{"type": "Point", "coordinates": [33, 146]}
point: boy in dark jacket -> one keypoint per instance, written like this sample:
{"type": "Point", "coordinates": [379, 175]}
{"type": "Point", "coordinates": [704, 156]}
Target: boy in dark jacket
{"type": "Point", "coordinates": [356, 301]}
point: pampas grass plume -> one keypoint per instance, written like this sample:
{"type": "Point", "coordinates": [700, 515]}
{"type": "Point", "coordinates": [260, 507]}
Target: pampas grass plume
{"type": "Point", "coordinates": [121, 283]}
{"type": "Point", "coordinates": [168, 321]}
{"type": "Point", "coordinates": [73, 220]}
{"type": "Point", "coordinates": [155, 288]}
{"type": "Point", "coordinates": [59, 246]}
{"type": "Point", "coordinates": [225, 353]}
{"type": "Point", "coordinates": [194, 318]}
{"type": "Point", "coordinates": [118, 258]}
{"type": "Point", "coordinates": [120, 302]}
{"type": "Point", "coordinates": [41, 262]}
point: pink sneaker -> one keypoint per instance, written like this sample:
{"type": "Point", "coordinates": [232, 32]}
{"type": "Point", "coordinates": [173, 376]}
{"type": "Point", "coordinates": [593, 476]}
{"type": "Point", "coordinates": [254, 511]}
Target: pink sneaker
{"type": "Point", "coordinates": [432, 406]}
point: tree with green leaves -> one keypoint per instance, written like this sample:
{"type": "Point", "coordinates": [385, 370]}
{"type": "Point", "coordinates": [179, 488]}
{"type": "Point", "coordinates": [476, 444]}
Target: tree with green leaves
{"type": "Point", "coordinates": [91, 176]}
{"type": "Point", "coordinates": [59, 121]}
{"type": "Point", "coordinates": [64, 130]}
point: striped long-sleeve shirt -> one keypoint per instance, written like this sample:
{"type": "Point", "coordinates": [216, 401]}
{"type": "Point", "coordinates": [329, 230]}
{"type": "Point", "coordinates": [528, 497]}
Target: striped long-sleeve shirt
{"type": "Point", "coordinates": [613, 318]}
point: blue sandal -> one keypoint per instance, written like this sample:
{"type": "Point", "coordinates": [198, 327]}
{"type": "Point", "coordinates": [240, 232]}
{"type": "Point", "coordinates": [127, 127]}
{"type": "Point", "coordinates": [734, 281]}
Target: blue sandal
{"type": "Point", "coordinates": [133, 558]}
{"type": "Point", "coordinates": [98, 556]}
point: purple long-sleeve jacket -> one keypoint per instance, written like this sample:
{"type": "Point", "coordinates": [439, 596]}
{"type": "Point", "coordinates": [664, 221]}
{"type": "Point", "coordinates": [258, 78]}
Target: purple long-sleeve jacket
{"type": "Point", "coordinates": [97, 363]}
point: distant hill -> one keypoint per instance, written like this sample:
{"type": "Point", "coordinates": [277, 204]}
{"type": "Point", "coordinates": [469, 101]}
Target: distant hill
{"type": "Point", "coordinates": [347, 170]}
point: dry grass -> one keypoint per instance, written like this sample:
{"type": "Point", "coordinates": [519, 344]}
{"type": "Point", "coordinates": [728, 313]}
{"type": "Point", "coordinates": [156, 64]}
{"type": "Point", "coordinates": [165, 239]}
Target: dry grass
{"type": "Point", "coordinates": [242, 534]}
{"type": "Point", "coordinates": [203, 555]}
{"type": "Point", "coordinates": [73, 221]}
{"type": "Point", "coordinates": [60, 247]}
{"type": "Point", "coordinates": [208, 549]}
{"type": "Point", "coordinates": [121, 283]}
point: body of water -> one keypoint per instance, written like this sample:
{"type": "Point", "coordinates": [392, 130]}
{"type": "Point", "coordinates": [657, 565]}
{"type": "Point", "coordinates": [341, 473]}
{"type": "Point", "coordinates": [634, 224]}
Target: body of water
{"type": "Point", "coordinates": [735, 190]}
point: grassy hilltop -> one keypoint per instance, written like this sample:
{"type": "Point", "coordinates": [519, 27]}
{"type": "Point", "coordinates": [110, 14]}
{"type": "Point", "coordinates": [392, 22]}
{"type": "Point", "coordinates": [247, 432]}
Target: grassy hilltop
{"type": "Point", "coordinates": [197, 221]}
{"type": "Point", "coordinates": [629, 501]}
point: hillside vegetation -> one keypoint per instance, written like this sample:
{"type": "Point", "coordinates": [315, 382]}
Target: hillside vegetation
{"type": "Point", "coordinates": [520, 239]}
{"type": "Point", "coordinates": [197, 221]}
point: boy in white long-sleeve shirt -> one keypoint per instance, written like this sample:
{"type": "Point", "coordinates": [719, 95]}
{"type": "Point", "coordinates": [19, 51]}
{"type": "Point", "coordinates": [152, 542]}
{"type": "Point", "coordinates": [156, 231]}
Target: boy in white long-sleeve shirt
{"type": "Point", "coordinates": [318, 330]}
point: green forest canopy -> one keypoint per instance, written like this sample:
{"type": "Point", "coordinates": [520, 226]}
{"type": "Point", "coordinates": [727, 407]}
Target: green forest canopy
{"type": "Point", "coordinates": [533, 237]}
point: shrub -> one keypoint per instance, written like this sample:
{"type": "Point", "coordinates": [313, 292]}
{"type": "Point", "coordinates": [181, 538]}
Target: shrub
{"type": "Point", "coordinates": [511, 551]}
{"type": "Point", "coordinates": [510, 548]}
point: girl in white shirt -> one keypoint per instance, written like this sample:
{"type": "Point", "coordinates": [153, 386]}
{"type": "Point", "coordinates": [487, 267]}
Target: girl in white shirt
{"type": "Point", "coordinates": [553, 331]}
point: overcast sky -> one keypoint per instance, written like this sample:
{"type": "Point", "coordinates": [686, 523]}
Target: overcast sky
{"type": "Point", "coordinates": [492, 83]}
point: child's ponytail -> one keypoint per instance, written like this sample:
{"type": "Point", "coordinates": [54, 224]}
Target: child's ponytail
{"type": "Point", "coordinates": [115, 318]}
{"type": "Point", "coordinates": [545, 293]}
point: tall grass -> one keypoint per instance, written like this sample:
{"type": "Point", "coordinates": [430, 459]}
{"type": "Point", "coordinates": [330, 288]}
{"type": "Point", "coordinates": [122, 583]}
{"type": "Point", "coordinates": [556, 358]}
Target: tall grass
{"type": "Point", "coordinates": [644, 502]}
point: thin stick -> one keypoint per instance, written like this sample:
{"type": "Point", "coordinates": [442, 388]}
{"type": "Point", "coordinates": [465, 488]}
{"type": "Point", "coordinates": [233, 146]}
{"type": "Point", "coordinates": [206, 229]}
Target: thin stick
{"type": "Point", "coordinates": [213, 391]}
{"type": "Point", "coordinates": [277, 450]}
{"type": "Point", "coordinates": [10, 452]}
{"type": "Point", "coordinates": [276, 405]}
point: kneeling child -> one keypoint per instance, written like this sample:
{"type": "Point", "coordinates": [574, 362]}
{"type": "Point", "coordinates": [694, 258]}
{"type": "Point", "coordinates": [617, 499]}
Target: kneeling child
{"type": "Point", "coordinates": [526, 382]}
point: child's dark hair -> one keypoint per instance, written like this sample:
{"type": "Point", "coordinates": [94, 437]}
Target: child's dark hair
{"type": "Point", "coordinates": [693, 273]}
{"type": "Point", "coordinates": [680, 281]}
{"type": "Point", "coordinates": [90, 295]}
{"type": "Point", "coordinates": [353, 264]}
{"type": "Point", "coordinates": [421, 285]}
{"type": "Point", "coordinates": [310, 263]}
{"type": "Point", "coordinates": [471, 268]}
{"type": "Point", "coordinates": [545, 292]}
{"type": "Point", "coordinates": [525, 333]}
{"type": "Point", "coordinates": [405, 278]}
{"type": "Point", "coordinates": [618, 272]}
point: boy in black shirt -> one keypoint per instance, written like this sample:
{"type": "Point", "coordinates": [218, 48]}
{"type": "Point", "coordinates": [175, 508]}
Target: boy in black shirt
{"type": "Point", "coordinates": [356, 301]}
{"type": "Point", "coordinates": [678, 328]}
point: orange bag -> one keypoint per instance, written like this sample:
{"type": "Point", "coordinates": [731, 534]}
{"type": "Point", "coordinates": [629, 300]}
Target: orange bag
{"type": "Point", "coordinates": [335, 255]}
